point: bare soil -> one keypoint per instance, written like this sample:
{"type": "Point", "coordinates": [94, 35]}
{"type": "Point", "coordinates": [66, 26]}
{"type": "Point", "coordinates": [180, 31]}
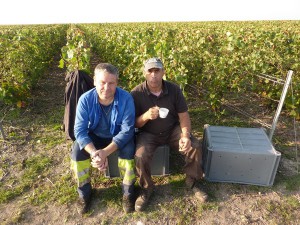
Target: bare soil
{"type": "Point", "coordinates": [229, 203]}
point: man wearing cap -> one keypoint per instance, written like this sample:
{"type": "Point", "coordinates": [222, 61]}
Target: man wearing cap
{"type": "Point", "coordinates": [174, 130]}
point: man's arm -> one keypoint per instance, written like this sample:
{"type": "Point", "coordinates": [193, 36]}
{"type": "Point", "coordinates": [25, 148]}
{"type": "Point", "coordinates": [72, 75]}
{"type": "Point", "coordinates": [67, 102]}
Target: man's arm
{"type": "Point", "coordinates": [105, 152]}
{"type": "Point", "coordinates": [125, 127]}
{"type": "Point", "coordinates": [151, 114]}
{"type": "Point", "coordinates": [90, 148]}
{"type": "Point", "coordinates": [82, 123]}
{"type": "Point", "coordinates": [185, 124]}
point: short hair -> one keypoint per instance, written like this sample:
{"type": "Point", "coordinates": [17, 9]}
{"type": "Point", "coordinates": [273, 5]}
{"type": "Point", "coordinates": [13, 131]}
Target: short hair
{"type": "Point", "coordinates": [107, 67]}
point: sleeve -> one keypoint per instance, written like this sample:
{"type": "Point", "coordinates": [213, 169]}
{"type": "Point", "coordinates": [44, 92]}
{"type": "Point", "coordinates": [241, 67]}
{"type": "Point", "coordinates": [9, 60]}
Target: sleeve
{"type": "Point", "coordinates": [134, 95]}
{"type": "Point", "coordinates": [82, 122]}
{"type": "Point", "coordinates": [127, 124]}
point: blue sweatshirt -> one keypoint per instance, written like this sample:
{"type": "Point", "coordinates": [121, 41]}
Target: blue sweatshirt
{"type": "Point", "coordinates": [88, 114]}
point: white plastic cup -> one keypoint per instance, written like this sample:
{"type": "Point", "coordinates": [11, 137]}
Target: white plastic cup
{"type": "Point", "coordinates": [163, 112]}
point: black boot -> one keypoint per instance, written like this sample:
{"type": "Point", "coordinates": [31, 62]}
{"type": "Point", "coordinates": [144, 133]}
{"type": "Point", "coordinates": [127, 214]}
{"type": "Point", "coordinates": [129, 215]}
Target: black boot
{"type": "Point", "coordinates": [142, 201]}
{"type": "Point", "coordinates": [128, 203]}
{"type": "Point", "coordinates": [84, 204]}
{"type": "Point", "coordinates": [199, 193]}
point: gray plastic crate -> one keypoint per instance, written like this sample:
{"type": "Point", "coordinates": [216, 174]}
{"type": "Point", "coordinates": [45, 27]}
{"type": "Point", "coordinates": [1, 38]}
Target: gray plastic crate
{"type": "Point", "coordinates": [159, 165]}
{"type": "Point", "coordinates": [239, 155]}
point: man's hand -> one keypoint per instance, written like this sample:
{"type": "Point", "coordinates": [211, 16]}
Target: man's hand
{"type": "Point", "coordinates": [152, 113]}
{"type": "Point", "coordinates": [184, 144]}
{"type": "Point", "coordinates": [99, 160]}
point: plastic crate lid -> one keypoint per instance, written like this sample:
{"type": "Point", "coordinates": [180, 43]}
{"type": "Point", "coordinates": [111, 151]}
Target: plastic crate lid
{"type": "Point", "coordinates": [239, 139]}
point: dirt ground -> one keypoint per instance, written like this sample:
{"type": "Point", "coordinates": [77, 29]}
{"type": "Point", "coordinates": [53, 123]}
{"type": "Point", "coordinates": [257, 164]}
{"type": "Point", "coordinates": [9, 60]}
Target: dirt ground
{"type": "Point", "coordinates": [231, 204]}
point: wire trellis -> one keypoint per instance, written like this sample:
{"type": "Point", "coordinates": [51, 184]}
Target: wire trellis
{"type": "Point", "coordinates": [295, 130]}
{"type": "Point", "coordinates": [232, 104]}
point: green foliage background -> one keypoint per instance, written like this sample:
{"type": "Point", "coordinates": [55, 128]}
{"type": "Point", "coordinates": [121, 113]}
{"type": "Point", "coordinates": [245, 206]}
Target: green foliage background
{"type": "Point", "coordinates": [26, 53]}
{"type": "Point", "coordinates": [218, 57]}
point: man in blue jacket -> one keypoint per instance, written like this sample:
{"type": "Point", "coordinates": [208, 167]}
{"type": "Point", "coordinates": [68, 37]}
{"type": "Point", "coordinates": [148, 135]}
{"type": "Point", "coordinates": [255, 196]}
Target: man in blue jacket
{"type": "Point", "coordinates": [104, 123]}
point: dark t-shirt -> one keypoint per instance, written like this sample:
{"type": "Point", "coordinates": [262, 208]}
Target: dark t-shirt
{"type": "Point", "coordinates": [170, 98]}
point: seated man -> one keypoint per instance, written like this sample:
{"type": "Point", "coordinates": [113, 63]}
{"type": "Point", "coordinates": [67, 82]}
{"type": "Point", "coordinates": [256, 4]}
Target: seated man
{"type": "Point", "coordinates": [104, 123]}
{"type": "Point", "coordinates": [174, 130]}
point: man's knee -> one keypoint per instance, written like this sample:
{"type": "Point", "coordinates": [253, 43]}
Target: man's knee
{"type": "Point", "coordinates": [128, 151]}
{"type": "Point", "coordinates": [77, 154]}
{"type": "Point", "coordinates": [140, 152]}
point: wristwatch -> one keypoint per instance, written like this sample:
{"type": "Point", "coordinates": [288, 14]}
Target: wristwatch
{"type": "Point", "coordinates": [186, 134]}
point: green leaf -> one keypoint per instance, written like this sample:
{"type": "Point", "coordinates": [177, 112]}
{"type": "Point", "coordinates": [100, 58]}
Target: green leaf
{"type": "Point", "coordinates": [61, 64]}
{"type": "Point", "coordinates": [70, 53]}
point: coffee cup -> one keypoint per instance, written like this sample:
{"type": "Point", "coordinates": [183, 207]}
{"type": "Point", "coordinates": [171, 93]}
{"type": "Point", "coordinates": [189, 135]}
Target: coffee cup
{"type": "Point", "coordinates": [163, 112]}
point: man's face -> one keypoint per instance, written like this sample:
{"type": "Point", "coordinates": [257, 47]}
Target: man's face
{"type": "Point", "coordinates": [154, 77]}
{"type": "Point", "coordinates": [106, 85]}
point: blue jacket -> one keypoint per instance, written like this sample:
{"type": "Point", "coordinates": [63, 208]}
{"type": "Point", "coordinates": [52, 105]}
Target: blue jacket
{"type": "Point", "coordinates": [88, 114]}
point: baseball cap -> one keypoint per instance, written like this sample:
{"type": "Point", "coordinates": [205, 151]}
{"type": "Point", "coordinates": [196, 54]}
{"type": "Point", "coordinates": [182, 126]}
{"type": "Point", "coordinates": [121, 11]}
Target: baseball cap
{"type": "Point", "coordinates": [153, 63]}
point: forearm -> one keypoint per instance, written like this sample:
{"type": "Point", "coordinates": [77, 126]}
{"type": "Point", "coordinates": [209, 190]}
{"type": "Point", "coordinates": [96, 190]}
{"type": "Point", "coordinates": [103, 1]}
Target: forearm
{"type": "Point", "coordinates": [90, 148]}
{"type": "Point", "coordinates": [109, 149]}
{"type": "Point", "coordinates": [150, 114]}
{"type": "Point", "coordinates": [141, 120]}
{"type": "Point", "coordinates": [105, 152]}
{"type": "Point", "coordinates": [185, 124]}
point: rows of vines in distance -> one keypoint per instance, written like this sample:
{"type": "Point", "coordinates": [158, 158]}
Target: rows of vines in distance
{"type": "Point", "coordinates": [26, 52]}
{"type": "Point", "coordinates": [218, 57]}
